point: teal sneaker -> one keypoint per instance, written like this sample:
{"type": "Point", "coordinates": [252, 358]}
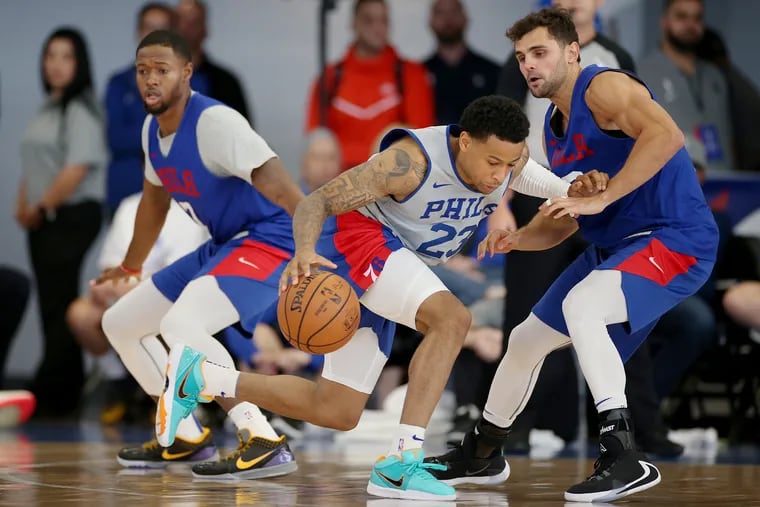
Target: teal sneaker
{"type": "Point", "coordinates": [407, 477]}
{"type": "Point", "coordinates": [182, 392]}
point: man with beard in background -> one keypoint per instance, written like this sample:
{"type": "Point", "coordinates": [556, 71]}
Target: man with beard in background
{"type": "Point", "coordinates": [692, 90]}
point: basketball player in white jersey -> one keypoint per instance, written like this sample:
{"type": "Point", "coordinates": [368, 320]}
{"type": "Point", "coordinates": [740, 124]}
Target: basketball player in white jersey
{"type": "Point", "coordinates": [412, 205]}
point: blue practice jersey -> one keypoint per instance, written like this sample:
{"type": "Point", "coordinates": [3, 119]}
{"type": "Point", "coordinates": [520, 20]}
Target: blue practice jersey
{"type": "Point", "coordinates": [670, 205]}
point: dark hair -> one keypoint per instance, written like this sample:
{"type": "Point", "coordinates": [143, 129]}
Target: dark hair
{"type": "Point", "coordinates": [82, 81]}
{"type": "Point", "coordinates": [495, 115]}
{"type": "Point", "coordinates": [558, 21]}
{"type": "Point", "coordinates": [169, 39]}
{"type": "Point", "coordinates": [359, 3]}
{"type": "Point", "coordinates": [156, 6]}
{"type": "Point", "coordinates": [666, 4]}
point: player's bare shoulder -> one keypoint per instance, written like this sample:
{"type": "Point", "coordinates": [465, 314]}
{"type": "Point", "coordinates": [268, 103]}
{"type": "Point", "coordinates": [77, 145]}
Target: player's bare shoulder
{"type": "Point", "coordinates": [611, 93]}
{"type": "Point", "coordinates": [406, 166]}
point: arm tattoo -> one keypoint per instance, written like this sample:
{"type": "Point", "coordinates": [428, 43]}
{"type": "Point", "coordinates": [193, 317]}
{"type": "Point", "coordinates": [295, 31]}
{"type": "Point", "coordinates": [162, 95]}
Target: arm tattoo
{"type": "Point", "coordinates": [362, 185]}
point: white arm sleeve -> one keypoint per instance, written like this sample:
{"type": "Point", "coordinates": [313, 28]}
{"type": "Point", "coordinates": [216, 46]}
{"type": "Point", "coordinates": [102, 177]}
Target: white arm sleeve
{"type": "Point", "coordinates": [228, 145]}
{"type": "Point", "coordinates": [537, 181]}
{"type": "Point", "coordinates": [150, 172]}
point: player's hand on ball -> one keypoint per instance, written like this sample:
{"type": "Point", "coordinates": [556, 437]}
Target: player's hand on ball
{"type": "Point", "coordinates": [573, 206]}
{"type": "Point", "coordinates": [586, 185]}
{"type": "Point", "coordinates": [498, 241]}
{"type": "Point", "coordinates": [301, 265]}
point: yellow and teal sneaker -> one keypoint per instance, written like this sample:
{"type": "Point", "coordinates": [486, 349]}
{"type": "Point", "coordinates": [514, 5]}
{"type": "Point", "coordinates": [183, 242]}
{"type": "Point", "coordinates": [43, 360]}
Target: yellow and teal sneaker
{"type": "Point", "coordinates": [407, 477]}
{"type": "Point", "coordinates": [182, 392]}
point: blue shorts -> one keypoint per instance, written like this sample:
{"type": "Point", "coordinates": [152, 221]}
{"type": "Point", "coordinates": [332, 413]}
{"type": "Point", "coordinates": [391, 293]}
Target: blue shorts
{"type": "Point", "coordinates": [359, 246]}
{"type": "Point", "coordinates": [654, 280]}
{"type": "Point", "coordinates": [247, 271]}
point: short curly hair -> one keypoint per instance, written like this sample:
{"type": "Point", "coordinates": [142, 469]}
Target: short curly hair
{"type": "Point", "coordinates": [495, 115]}
{"type": "Point", "coordinates": [556, 20]}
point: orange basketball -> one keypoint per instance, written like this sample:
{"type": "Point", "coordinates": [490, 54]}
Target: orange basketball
{"type": "Point", "coordinates": [320, 314]}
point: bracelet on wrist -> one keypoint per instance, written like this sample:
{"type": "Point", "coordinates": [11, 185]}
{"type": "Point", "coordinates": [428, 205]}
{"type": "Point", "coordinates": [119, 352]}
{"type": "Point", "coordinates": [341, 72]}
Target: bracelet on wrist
{"type": "Point", "coordinates": [128, 271]}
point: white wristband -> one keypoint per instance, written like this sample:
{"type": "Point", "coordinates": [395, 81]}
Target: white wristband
{"type": "Point", "coordinates": [537, 181]}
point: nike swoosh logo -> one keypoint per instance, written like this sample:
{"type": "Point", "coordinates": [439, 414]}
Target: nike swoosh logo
{"type": "Point", "coordinates": [176, 455]}
{"type": "Point", "coordinates": [649, 470]}
{"type": "Point", "coordinates": [418, 439]}
{"type": "Point", "coordinates": [245, 465]}
{"type": "Point", "coordinates": [182, 393]}
{"type": "Point", "coordinates": [248, 263]}
{"type": "Point", "coordinates": [476, 472]}
{"type": "Point", "coordinates": [398, 483]}
{"type": "Point", "coordinates": [654, 262]}
{"type": "Point", "coordinates": [439, 185]}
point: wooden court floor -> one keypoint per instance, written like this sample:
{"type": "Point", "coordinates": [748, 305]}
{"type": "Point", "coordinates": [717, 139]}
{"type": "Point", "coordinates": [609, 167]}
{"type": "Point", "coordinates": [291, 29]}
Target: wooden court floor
{"type": "Point", "coordinates": [86, 474]}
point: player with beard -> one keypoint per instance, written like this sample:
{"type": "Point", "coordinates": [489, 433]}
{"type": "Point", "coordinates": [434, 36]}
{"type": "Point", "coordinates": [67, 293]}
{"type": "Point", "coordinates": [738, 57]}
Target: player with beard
{"type": "Point", "coordinates": [206, 157]}
{"type": "Point", "coordinates": [692, 90]}
{"type": "Point", "coordinates": [653, 243]}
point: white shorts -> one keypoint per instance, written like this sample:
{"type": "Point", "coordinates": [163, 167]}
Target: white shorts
{"type": "Point", "coordinates": [403, 285]}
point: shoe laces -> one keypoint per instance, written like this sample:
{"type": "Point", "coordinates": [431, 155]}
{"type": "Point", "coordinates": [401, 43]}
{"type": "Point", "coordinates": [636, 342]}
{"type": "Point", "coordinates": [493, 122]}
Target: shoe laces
{"type": "Point", "coordinates": [151, 445]}
{"type": "Point", "coordinates": [244, 445]}
{"type": "Point", "coordinates": [421, 469]}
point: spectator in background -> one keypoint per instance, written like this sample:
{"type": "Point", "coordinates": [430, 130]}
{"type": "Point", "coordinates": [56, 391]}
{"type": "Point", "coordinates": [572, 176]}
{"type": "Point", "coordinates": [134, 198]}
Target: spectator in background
{"type": "Point", "coordinates": [371, 89]}
{"type": "Point", "coordinates": [179, 236]}
{"type": "Point", "coordinates": [744, 98]}
{"type": "Point", "coordinates": [125, 115]}
{"type": "Point", "coordinates": [208, 78]}
{"type": "Point", "coordinates": [742, 303]}
{"type": "Point", "coordinates": [320, 161]}
{"type": "Point", "coordinates": [459, 74]}
{"type": "Point", "coordinates": [64, 155]}
{"type": "Point", "coordinates": [692, 90]}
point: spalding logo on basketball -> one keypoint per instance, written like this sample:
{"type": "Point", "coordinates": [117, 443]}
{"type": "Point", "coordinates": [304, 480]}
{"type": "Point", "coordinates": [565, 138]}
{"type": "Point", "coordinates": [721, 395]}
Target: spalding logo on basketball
{"type": "Point", "coordinates": [320, 314]}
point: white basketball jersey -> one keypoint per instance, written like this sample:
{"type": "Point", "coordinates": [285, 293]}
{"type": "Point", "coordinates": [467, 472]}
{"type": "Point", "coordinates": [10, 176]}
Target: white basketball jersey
{"type": "Point", "coordinates": [436, 220]}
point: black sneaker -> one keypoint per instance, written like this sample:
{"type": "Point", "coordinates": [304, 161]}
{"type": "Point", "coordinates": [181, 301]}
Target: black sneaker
{"type": "Point", "coordinates": [152, 455]}
{"type": "Point", "coordinates": [254, 458]}
{"type": "Point", "coordinates": [463, 467]}
{"type": "Point", "coordinates": [465, 418]}
{"type": "Point", "coordinates": [621, 470]}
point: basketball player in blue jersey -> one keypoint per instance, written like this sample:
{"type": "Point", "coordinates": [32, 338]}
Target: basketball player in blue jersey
{"type": "Point", "coordinates": [653, 243]}
{"type": "Point", "coordinates": [412, 205]}
{"type": "Point", "coordinates": [206, 157]}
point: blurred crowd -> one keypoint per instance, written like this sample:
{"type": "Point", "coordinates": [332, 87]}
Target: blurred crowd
{"type": "Point", "coordinates": [82, 174]}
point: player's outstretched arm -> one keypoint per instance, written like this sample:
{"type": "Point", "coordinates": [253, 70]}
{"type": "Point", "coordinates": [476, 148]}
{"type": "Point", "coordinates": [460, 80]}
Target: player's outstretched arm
{"type": "Point", "coordinates": [541, 233]}
{"type": "Point", "coordinates": [617, 101]}
{"type": "Point", "coordinates": [275, 183]}
{"type": "Point", "coordinates": [151, 215]}
{"type": "Point", "coordinates": [396, 172]}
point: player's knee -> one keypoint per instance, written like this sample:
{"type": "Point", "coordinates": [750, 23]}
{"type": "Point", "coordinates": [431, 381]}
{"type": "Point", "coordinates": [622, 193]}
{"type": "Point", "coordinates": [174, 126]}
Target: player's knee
{"type": "Point", "coordinates": [115, 324]}
{"type": "Point", "coordinates": [343, 420]}
{"type": "Point", "coordinates": [577, 304]}
{"type": "Point", "coordinates": [445, 313]}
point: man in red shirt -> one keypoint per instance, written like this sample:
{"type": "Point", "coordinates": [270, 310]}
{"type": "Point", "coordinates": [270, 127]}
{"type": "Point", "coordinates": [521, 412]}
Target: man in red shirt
{"type": "Point", "coordinates": [370, 89]}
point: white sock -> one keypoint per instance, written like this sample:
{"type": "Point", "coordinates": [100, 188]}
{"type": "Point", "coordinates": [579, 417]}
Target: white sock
{"type": "Point", "coordinates": [220, 380]}
{"type": "Point", "coordinates": [407, 437]}
{"type": "Point", "coordinates": [189, 428]}
{"type": "Point", "coordinates": [247, 416]}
